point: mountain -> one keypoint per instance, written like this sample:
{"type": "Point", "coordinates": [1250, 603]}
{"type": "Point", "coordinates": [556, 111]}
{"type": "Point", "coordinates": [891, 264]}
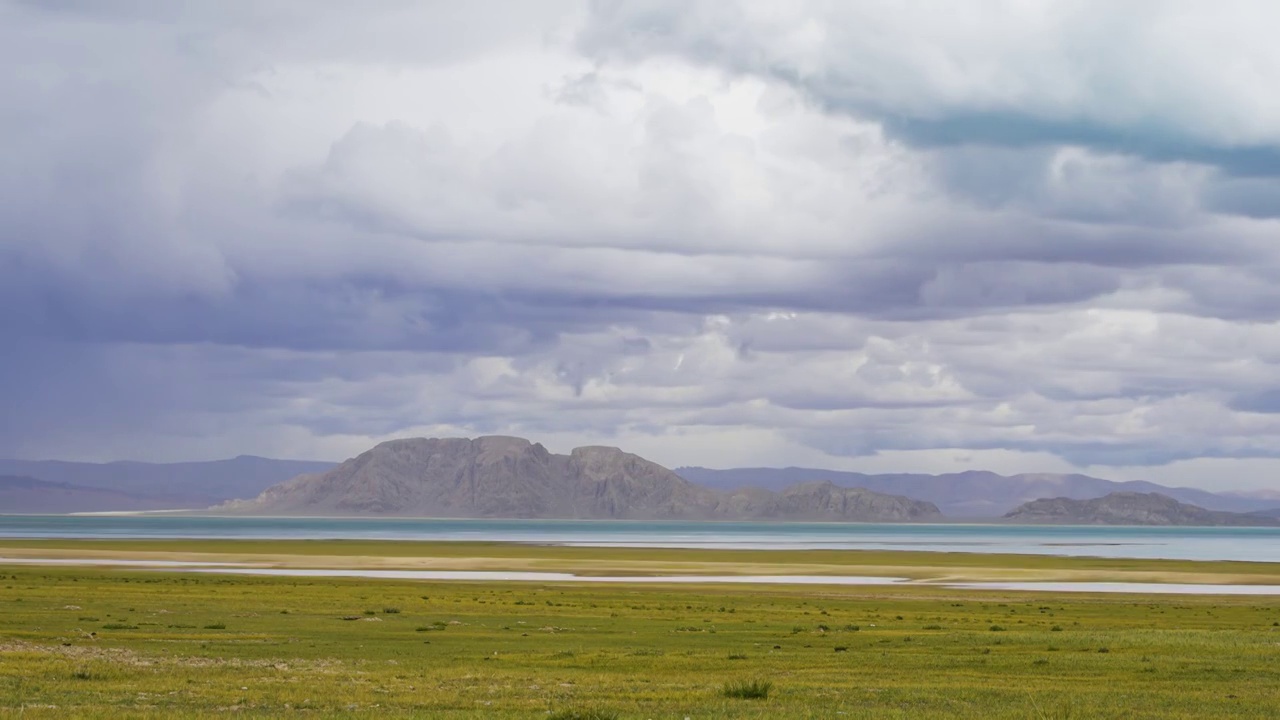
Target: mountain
{"type": "Point", "coordinates": [972, 494]}
{"type": "Point", "coordinates": [1271, 496]}
{"type": "Point", "coordinates": [705, 492]}
{"type": "Point", "coordinates": [512, 477]}
{"type": "Point", "coordinates": [1125, 508]}
{"type": "Point", "coordinates": [142, 486]}
{"type": "Point", "coordinates": [821, 500]}
{"type": "Point", "coordinates": [487, 477]}
{"type": "Point", "coordinates": [27, 495]}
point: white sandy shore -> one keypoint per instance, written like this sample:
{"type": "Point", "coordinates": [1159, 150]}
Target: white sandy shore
{"type": "Point", "coordinates": [522, 576]}
{"type": "Point", "coordinates": [131, 513]}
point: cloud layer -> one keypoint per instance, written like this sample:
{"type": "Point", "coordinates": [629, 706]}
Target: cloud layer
{"type": "Point", "coordinates": [1034, 236]}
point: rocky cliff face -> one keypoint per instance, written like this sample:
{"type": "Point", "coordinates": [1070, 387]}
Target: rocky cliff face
{"type": "Point", "coordinates": [609, 483]}
{"type": "Point", "coordinates": [1127, 509]}
{"type": "Point", "coordinates": [513, 478]}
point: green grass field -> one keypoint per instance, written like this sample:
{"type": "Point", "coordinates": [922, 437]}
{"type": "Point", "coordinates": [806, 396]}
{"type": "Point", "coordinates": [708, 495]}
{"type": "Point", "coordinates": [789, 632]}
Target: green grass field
{"type": "Point", "coordinates": [98, 642]}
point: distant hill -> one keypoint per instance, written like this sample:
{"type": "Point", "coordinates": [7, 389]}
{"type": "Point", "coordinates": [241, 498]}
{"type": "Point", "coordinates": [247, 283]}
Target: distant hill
{"type": "Point", "coordinates": [27, 495]}
{"type": "Point", "coordinates": [1125, 508]}
{"type": "Point", "coordinates": [143, 486]}
{"type": "Point", "coordinates": [1271, 496]}
{"type": "Point", "coordinates": [540, 484]}
{"type": "Point", "coordinates": [972, 494]}
{"type": "Point", "coordinates": [512, 477]}
{"type": "Point", "coordinates": [824, 501]}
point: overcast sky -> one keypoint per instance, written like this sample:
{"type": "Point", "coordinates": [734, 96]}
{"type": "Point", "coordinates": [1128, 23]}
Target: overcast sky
{"type": "Point", "coordinates": [1036, 236]}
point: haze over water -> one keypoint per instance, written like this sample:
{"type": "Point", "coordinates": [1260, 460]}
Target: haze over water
{"type": "Point", "coordinates": [1181, 543]}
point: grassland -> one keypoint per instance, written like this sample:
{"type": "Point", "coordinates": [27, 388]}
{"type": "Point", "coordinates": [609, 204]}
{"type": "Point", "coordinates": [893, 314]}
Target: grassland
{"type": "Point", "coordinates": [101, 642]}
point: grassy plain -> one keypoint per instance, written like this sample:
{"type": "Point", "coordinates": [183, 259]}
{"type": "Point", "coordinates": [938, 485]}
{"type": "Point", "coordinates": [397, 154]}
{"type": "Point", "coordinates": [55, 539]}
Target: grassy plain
{"type": "Point", "coordinates": [96, 642]}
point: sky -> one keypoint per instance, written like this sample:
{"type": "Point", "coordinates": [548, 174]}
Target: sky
{"type": "Point", "coordinates": [1024, 236]}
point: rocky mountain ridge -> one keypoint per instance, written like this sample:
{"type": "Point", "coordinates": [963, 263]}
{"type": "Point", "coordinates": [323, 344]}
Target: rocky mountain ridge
{"type": "Point", "coordinates": [1126, 508]}
{"type": "Point", "coordinates": [972, 493]}
{"type": "Point", "coordinates": [509, 477]}
{"type": "Point", "coordinates": [123, 486]}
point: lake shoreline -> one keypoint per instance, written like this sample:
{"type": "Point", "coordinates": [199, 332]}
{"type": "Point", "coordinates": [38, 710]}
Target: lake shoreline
{"type": "Point", "coordinates": [1248, 544]}
{"type": "Point", "coordinates": [484, 561]}
{"type": "Point", "coordinates": [482, 576]}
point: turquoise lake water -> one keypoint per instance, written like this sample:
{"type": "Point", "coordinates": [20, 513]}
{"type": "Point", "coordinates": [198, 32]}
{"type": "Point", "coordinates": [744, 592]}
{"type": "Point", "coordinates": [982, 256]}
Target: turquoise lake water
{"type": "Point", "coordinates": [1251, 544]}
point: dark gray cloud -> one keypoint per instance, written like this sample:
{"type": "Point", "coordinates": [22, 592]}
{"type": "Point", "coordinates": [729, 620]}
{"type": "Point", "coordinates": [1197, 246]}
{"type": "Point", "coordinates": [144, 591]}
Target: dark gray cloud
{"type": "Point", "coordinates": [1262, 401]}
{"type": "Point", "coordinates": [1250, 197]}
{"type": "Point", "coordinates": [1023, 131]}
{"type": "Point", "coordinates": [817, 235]}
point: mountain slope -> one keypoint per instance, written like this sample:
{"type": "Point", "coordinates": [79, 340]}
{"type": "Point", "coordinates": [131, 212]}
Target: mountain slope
{"type": "Point", "coordinates": [487, 477]}
{"type": "Point", "coordinates": [512, 477]}
{"type": "Point", "coordinates": [189, 484]}
{"type": "Point", "coordinates": [27, 495]}
{"type": "Point", "coordinates": [1127, 509]}
{"type": "Point", "coordinates": [971, 494]}
{"type": "Point", "coordinates": [821, 500]}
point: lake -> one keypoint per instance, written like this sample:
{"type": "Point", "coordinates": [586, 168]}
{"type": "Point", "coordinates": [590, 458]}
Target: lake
{"type": "Point", "coordinates": [1200, 543]}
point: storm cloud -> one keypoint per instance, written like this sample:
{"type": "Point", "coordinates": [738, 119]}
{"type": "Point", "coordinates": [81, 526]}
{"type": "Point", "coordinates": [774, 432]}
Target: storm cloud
{"type": "Point", "coordinates": [1032, 236]}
